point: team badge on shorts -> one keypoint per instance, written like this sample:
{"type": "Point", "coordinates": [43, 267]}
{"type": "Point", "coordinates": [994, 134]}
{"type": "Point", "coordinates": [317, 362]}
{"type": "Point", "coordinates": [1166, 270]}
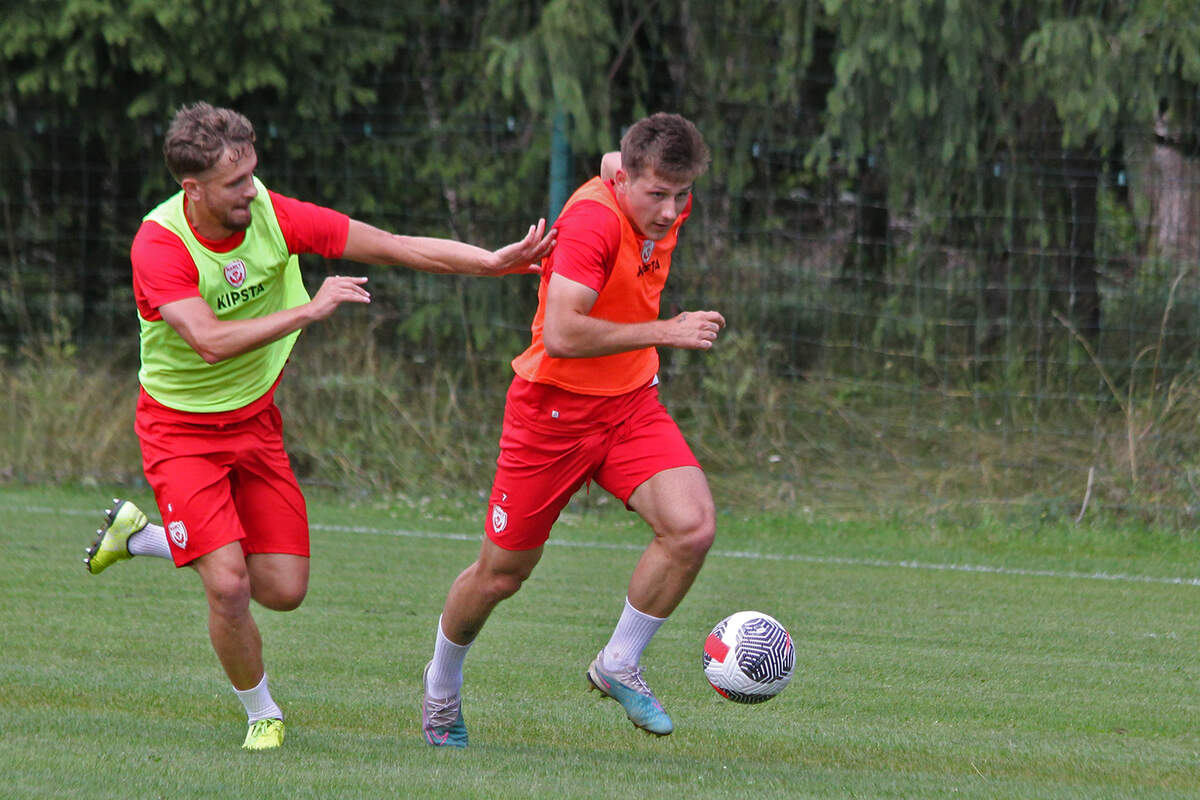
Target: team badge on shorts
{"type": "Point", "coordinates": [647, 251]}
{"type": "Point", "coordinates": [499, 518]}
{"type": "Point", "coordinates": [235, 273]}
{"type": "Point", "coordinates": [178, 533]}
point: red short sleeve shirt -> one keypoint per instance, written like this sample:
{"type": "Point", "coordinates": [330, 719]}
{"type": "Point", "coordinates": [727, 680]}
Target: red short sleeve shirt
{"type": "Point", "coordinates": [589, 235]}
{"type": "Point", "coordinates": [163, 270]}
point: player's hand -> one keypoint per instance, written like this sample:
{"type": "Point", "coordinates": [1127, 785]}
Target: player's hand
{"type": "Point", "coordinates": [525, 255]}
{"type": "Point", "coordinates": [694, 330]}
{"type": "Point", "coordinates": [335, 290]}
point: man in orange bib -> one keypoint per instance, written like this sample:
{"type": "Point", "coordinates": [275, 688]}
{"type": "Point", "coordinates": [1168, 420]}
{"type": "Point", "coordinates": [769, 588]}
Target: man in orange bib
{"type": "Point", "coordinates": [584, 407]}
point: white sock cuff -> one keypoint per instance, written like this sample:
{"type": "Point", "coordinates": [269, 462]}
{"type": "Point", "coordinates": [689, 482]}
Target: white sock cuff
{"type": "Point", "coordinates": [444, 678]}
{"type": "Point", "coordinates": [633, 632]}
{"type": "Point", "coordinates": [149, 541]}
{"type": "Point", "coordinates": [258, 702]}
{"type": "Point", "coordinates": [642, 615]}
{"type": "Point", "coordinates": [444, 642]}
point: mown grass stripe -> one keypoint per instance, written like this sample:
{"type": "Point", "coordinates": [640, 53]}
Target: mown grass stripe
{"type": "Point", "coordinates": [984, 569]}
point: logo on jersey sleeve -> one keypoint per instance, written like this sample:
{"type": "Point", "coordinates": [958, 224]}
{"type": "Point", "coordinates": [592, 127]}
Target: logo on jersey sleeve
{"type": "Point", "coordinates": [235, 273]}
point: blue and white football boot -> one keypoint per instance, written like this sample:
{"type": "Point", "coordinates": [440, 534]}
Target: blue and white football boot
{"type": "Point", "coordinates": [629, 689]}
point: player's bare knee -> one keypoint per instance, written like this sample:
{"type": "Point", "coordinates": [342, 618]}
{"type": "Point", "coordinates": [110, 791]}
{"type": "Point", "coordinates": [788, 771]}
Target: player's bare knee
{"type": "Point", "coordinates": [697, 541]}
{"type": "Point", "coordinates": [504, 586]}
{"type": "Point", "coordinates": [228, 594]}
{"type": "Point", "coordinates": [286, 598]}
{"type": "Point", "coordinates": [690, 535]}
{"type": "Point", "coordinates": [497, 586]}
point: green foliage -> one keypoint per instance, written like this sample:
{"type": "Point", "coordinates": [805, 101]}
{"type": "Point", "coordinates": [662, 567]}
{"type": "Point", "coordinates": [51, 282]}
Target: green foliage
{"type": "Point", "coordinates": [559, 65]}
{"type": "Point", "coordinates": [139, 60]}
{"type": "Point", "coordinates": [1000, 128]}
{"type": "Point", "coordinates": [96, 82]}
{"type": "Point", "coordinates": [904, 200]}
{"type": "Point", "coordinates": [1110, 68]}
{"type": "Point", "coordinates": [51, 429]}
{"type": "Point", "coordinates": [918, 76]}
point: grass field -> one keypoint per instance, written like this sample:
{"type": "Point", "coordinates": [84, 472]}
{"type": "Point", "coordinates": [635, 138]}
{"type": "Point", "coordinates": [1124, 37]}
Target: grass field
{"type": "Point", "coordinates": [992, 662]}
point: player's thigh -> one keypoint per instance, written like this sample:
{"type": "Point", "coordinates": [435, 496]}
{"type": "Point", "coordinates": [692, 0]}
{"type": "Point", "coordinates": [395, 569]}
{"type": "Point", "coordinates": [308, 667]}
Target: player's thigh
{"type": "Point", "coordinates": [278, 581]}
{"type": "Point", "coordinates": [676, 502]}
{"type": "Point", "coordinates": [266, 493]}
{"type": "Point", "coordinates": [225, 577]}
{"type": "Point", "coordinates": [195, 501]}
{"type": "Point", "coordinates": [497, 563]}
{"type": "Point", "coordinates": [651, 460]}
{"type": "Point", "coordinates": [535, 478]}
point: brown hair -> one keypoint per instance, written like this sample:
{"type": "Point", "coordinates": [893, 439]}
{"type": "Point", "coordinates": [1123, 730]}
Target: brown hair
{"type": "Point", "coordinates": [200, 134]}
{"type": "Point", "coordinates": [668, 144]}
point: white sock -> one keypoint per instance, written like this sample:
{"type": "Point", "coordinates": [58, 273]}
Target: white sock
{"type": "Point", "coordinates": [633, 632]}
{"type": "Point", "coordinates": [258, 702]}
{"type": "Point", "coordinates": [149, 541]}
{"type": "Point", "coordinates": [445, 676]}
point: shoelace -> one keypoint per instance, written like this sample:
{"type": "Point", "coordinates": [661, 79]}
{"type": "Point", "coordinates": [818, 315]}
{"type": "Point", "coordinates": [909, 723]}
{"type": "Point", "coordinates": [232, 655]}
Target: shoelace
{"type": "Point", "coordinates": [260, 727]}
{"type": "Point", "coordinates": [633, 679]}
{"type": "Point", "coordinates": [442, 713]}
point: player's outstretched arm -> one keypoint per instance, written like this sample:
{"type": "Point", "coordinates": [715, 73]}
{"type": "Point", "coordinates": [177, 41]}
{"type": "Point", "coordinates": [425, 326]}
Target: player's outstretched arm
{"type": "Point", "coordinates": [570, 333]}
{"type": "Point", "coordinates": [215, 339]}
{"type": "Point", "coordinates": [370, 245]}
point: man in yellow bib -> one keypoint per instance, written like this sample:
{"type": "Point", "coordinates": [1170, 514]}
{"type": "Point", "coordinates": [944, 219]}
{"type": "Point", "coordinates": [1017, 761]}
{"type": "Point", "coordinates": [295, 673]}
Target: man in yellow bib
{"type": "Point", "coordinates": [220, 303]}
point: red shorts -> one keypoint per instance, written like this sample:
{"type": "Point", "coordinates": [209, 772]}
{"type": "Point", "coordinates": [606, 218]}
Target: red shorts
{"type": "Point", "coordinates": [222, 483]}
{"type": "Point", "coordinates": [554, 441]}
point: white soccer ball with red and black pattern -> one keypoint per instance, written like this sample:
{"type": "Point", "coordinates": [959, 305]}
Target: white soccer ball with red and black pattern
{"type": "Point", "coordinates": [749, 657]}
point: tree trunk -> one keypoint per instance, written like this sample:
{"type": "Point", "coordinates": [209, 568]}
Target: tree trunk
{"type": "Point", "coordinates": [865, 263]}
{"type": "Point", "coordinates": [1075, 290]}
{"type": "Point", "coordinates": [1171, 184]}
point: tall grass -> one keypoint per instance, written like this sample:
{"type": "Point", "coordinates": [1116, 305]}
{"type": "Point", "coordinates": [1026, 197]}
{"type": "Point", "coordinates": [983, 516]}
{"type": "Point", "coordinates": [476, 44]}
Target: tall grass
{"type": "Point", "coordinates": [1081, 427]}
{"type": "Point", "coordinates": [68, 417]}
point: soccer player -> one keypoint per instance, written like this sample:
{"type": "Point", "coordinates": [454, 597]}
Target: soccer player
{"type": "Point", "coordinates": [220, 302]}
{"type": "Point", "coordinates": [583, 406]}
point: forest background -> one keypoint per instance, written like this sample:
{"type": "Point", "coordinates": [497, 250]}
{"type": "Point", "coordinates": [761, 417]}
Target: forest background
{"type": "Point", "coordinates": [956, 243]}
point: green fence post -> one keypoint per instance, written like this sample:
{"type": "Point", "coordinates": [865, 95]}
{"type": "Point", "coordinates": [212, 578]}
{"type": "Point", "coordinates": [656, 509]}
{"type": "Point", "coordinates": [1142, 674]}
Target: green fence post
{"type": "Point", "coordinates": [560, 163]}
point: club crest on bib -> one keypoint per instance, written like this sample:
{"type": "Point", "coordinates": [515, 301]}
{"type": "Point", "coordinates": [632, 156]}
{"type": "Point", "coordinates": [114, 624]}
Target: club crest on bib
{"type": "Point", "coordinates": [647, 251]}
{"type": "Point", "coordinates": [178, 533]}
{"type": "Point", "coordinates": [235, 273]}
{"type": "Point", "coordinates": [499, 518]}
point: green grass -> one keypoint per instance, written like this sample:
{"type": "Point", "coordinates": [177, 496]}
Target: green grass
{"type": "Point", "coordinates": [912, 679]}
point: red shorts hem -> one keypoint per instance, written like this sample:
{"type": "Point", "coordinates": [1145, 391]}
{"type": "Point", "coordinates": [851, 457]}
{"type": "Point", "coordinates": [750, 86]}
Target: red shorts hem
{"type": "Point", "coordinates": [539, 470]}
{"type": "Point", "coordinates": [224, 483]}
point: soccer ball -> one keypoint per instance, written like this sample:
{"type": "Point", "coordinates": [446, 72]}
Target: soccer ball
{"type": "Point", "coordinates": [749, 657]}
